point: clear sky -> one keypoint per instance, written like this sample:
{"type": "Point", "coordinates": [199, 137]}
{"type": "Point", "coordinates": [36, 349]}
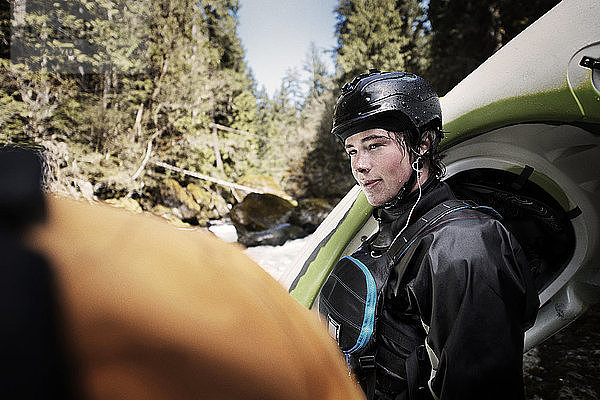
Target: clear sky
{"type": "Point", "coordinates": [276, 35]}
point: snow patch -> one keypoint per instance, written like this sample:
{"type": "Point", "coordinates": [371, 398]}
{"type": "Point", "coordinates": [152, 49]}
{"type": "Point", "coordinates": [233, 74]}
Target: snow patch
{"type": "Point", "coordinates": [224, 231]}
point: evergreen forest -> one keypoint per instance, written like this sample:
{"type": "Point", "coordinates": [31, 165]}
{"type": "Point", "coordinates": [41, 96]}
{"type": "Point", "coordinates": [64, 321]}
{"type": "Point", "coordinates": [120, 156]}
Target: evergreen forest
{"type": "Point", "coordinates": [129, 101]}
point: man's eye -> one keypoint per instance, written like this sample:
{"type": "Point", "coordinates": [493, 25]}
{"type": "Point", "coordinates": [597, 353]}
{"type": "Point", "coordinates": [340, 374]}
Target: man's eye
{"type": "Point", "coordinates": [373, 146]}
{"type": "Point", "coordinates": [351, 152]}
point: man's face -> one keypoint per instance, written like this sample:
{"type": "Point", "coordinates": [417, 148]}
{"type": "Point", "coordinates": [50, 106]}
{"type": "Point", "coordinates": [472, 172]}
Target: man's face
{"type": "Point", "coordinates": [379, 164]}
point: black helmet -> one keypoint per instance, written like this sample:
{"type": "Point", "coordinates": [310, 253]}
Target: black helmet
{"type": "Point", "coordinates": [386, 100]}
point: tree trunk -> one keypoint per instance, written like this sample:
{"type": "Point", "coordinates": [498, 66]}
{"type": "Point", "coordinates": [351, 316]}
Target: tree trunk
{"type": "Point", "coordinates": [219, 161]}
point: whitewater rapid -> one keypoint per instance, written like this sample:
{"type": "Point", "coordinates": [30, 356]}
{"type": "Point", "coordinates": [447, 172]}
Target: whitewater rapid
{"type": "Point", "coordinates": [273, 259]}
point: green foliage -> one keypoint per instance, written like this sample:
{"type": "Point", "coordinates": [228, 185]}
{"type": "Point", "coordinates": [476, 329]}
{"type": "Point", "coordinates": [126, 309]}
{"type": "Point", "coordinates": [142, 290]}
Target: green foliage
{"type": "Point", "coordinates": [318, 77]}
{"type": "Point", "coordinates": [464, 33]}
{"type": "Point", "coordinates": [383, 34]}
{"type": "Point", "coordinates": [107, 87]}
{"type": "Point", "coordinates": [101, 83]}
{"type": "Point", "coordinates": [441, 40]}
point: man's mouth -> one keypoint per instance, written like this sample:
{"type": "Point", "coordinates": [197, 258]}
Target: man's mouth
{"type": "Point", "coordinates": [371, 183]}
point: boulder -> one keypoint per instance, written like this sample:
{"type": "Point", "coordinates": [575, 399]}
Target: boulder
{"type": "Point", "coordinates": [265, 184]}
{"type": "Point", "coordinates": [310, 213]}
{"type": "Point", "coordinates": [263, 219]}
{"type": "Point", "coordinates": [275, 236]}
{"type": "Point", "coordinates": [267, 219]}
{"type": "Point", "coordinates": [258, 212]}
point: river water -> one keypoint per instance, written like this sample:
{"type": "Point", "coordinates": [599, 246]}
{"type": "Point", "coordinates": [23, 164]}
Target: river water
{"type": "Point", "coordinates": [565, 367]}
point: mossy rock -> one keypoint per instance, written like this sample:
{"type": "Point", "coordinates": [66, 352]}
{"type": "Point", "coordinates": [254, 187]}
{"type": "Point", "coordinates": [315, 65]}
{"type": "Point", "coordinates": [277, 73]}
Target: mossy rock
{"type": "Point", "coordinates": [179, 200]}
{"type": "Point", "coordinates": [265, 184]}
{"type": "Point", "coordinates": [200, 194]}
{"type": "Point", "coordinates": [127, 203]}
{"type": "Point", "coordinates": [212, 204]}
{"type": "Point", "coordinates": [167, 213]}
{"type": "Point", "coordinates": [161, 211]}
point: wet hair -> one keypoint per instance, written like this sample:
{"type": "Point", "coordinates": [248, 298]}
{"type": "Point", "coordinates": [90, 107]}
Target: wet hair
{"type": "Point", "coordinates": [432, 155]}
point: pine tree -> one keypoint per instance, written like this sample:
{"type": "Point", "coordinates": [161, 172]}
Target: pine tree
{"type": "Point", "coordinates": [383, 34]}
{"type": "Point", "coordinates": [107, 80]}
{"type": "Point", "coordinates": [318, 78]}
{"type": "Point", "coordinates": [322, 168]}
{"type": "Point", "coordinates": [467, 32]}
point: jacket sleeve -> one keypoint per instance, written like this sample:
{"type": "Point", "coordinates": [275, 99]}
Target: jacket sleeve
{"type": "Point", "coordinates": [476, 300]}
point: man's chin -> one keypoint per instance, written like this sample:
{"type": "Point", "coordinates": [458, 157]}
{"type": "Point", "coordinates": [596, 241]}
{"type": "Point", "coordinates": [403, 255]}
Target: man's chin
{"type": "Point", "coordinates": [374, 200]}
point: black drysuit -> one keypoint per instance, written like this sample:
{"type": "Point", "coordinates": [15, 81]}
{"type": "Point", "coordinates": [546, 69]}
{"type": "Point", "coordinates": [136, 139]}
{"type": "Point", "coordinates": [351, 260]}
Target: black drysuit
{"type": "Point", "coordinates": [452, 325]}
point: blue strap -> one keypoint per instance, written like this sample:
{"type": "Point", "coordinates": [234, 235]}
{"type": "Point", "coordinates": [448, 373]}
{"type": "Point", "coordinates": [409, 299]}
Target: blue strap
{"type": "Point", "coordinates": [368, 324]}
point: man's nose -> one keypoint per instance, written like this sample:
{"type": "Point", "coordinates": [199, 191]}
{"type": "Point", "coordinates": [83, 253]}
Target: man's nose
{"type": "Point", "coordinates": [361, 163]}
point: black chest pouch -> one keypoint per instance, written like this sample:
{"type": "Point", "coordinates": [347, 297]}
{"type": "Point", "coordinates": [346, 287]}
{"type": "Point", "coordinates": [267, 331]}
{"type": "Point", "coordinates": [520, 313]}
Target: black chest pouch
{"type": "Point", "coordinates": [349, 302]}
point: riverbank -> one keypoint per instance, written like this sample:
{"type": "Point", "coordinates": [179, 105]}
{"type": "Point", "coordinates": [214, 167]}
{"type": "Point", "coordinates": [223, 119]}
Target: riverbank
{"type": "Point", "coordinates": [567, 365]}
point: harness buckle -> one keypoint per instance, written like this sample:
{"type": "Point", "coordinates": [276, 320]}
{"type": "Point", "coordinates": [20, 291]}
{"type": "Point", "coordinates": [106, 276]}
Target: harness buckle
{"type": "Point", "coordinates": [366, 362]}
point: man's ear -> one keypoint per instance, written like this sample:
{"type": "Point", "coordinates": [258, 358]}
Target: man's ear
{"type": "Point", "coordinates": [425, 145]}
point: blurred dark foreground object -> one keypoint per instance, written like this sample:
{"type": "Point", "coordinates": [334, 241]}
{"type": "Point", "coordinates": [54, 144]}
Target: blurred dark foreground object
{"type": "Point", "coordinates": [152, 312]}
{"type": "Point", "coordinates": [21, 197]}
{"type": "Point", "coordinates": [30, 341]}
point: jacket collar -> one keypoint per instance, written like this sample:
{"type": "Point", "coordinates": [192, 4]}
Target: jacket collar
{"type": "Point", "coordinates": [392, 218]}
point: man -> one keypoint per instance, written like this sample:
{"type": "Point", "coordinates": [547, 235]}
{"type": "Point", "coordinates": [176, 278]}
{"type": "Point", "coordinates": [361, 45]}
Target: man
{"type": "Point", "coordinates": [436, 303]}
